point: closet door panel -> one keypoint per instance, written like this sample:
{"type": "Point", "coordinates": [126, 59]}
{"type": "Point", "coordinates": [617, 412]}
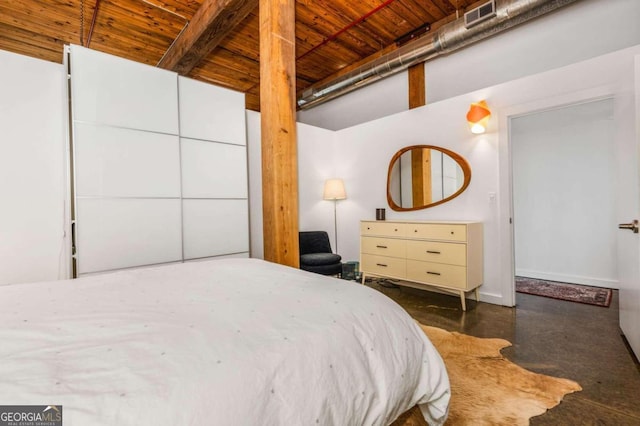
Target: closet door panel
{"type": "Point", "coordinates": [215, 227]}
{"type": "Point", "coordinates": [120, 233]}
{"type": "Point", "coordinates": [117, 162]}
{"type": "Point", "coordinates": [119, 92]}
{"type": "Point", "coordinates": [211, 113]}
{"type": "Point", "coordinates": [213, 170]}
{"type": "Point", "coordinates": [224, 256]}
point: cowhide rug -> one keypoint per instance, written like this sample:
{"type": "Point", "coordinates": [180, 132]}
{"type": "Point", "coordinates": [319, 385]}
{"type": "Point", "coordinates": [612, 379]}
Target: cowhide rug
{"type": "Point", "coordinates": [486, 388]}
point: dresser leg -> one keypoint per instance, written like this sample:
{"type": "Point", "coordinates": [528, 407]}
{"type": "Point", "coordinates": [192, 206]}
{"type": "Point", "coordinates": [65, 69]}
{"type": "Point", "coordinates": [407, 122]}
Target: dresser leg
{"type": "Point", "coordinates": [362, 278]}
{"type": "Point", "coordinates": [477, 294]}
{"type": "Point", "coordinates": [463, 301]}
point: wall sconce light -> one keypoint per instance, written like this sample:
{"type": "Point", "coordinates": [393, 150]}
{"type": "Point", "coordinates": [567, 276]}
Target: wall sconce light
{"type": "Point", "coordinates": [478, 117]}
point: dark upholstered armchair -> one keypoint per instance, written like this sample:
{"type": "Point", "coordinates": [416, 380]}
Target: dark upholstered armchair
{"type": "Point", "coordinates": [316, 255]}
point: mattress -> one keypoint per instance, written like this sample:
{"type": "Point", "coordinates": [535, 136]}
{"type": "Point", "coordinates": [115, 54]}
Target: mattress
{"type": "Point", "coordinates": [219, 342]}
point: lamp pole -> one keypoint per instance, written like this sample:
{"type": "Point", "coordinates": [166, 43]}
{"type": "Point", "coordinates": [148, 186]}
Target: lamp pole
{"type": "Point", "coordinates": [334, 191]}
{"type": "Point", "coordinates": [335, 222]}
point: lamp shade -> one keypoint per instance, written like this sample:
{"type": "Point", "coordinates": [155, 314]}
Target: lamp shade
{"type": "Point", "coordinates": [334, 190]}
{"type": "Point", "coordinates": [478, 117]}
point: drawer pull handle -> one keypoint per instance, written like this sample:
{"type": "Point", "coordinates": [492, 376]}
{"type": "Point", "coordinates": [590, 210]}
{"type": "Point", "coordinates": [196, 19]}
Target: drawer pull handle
{"type": "Point", "coordinates": [381, 264]}
{"type": "Point", "coordinates": [433, 252]}
{"type": "Point", "coordinates": [382, 246]}
{"type": "Point", "coordinates": [433, 273]}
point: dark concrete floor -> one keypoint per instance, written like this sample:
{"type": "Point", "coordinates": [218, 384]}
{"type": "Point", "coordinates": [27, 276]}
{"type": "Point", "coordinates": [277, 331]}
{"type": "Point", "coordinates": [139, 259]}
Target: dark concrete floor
{"type": "Point", "coordinates": [558, 338]}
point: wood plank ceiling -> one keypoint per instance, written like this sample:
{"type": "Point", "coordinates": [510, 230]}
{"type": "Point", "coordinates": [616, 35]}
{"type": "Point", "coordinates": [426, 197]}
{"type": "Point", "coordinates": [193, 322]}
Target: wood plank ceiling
{"type": "Point", "coordinates": [332, 36]}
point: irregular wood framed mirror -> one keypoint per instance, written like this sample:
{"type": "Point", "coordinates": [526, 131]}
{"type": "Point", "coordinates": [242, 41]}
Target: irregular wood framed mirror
{"type": "Point", "coordinates": [422, 176]}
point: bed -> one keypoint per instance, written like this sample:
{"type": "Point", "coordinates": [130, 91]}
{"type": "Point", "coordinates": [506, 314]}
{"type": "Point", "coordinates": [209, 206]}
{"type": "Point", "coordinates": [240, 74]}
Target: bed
{"type": "Point", "coordinates": [224, 342]}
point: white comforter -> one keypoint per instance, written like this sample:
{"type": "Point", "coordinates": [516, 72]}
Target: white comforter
{"type": "Point", "coordinates": [222, 342]}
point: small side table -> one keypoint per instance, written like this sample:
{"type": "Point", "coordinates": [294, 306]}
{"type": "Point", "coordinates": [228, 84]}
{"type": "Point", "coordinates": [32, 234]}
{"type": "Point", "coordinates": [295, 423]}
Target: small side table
{"type": "Point", "coordinates": [350, 271]}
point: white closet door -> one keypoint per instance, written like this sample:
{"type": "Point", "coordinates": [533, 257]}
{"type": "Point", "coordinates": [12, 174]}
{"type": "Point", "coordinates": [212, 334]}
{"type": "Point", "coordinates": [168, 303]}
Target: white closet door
{"type": "Point", "coordinates": [213, 170]}
{"type": "Point", "coordinates": [215, 227]}
{"type": "Point", "coordinates": [120, 233]}
{"type": "Point", "coordinates": [127, 162]}
{"type": "Point", "coordinates": [211, 113]}
{"type": "Point", "coordinates": [117, 162]}
{"type": "Point", "coordinates": [123, 93]}
{"type": "Point", "coordinates": [161, 175]}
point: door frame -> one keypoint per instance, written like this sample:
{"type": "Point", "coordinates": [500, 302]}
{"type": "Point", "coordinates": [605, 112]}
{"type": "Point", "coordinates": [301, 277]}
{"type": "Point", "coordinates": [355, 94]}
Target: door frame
{"type": "Point", "coordinates": [505, 175]}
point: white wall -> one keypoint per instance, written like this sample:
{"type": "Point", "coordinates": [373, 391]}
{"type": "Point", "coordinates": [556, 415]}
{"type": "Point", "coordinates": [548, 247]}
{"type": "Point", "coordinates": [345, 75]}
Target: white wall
{"type": "Point", "coordinates": [32, 170]}
{"type": "Point", "coordinates": [316, 154]}
{"type": "Point", "coordinates": [361, 154]}
{"type": "Point", "coordinates": [376, 100]}
{"type": "Point", "coordinates": [583, 30]}
{"type": "Point", "coordinates": [564, 194]}
{"type": "Point", "coordinates": [366, 150]}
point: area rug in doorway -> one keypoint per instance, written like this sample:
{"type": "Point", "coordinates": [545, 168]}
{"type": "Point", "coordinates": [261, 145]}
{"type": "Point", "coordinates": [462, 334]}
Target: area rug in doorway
{"type": "Point", "coordinates": [565, 291]}
{"type": "Point", "coordinates": [486, 388]}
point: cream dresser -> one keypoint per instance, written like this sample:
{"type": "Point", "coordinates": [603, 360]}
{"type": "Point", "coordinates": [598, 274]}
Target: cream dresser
{"type": "Point", "coordinates": [445, 255]}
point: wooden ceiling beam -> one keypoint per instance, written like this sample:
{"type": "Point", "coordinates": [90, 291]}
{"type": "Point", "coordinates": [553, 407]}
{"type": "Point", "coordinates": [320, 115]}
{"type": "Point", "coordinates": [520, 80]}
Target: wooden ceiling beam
{"type": "Point", "coordinates": [213, 21]}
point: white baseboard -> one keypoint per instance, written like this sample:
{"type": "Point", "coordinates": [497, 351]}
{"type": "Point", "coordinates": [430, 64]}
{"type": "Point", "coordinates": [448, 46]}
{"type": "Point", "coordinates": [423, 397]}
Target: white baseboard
{"type": "Point", "coordinates": [494, 299]}
{"type": "Point", "coordinates": [565, 278]}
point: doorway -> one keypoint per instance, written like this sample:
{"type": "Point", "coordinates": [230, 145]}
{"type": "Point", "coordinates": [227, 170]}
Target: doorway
{"type": "Point", "coordinates": [564, 194]}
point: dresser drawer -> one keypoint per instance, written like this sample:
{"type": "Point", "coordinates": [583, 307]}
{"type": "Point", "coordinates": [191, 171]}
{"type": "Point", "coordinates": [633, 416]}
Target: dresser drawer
{"type": "Point", "coordinates": [383, 265]}
{"type": "Point", "coordinates": [383, 246]}
{"type": "Point", "coordinates": [433, 251]}
{"type": "Point", "coordinates": [437, 231]}
{"type": "Point", "coordinates": [437, 273]}
{"type": "Point", "coordinates": [384, 229]}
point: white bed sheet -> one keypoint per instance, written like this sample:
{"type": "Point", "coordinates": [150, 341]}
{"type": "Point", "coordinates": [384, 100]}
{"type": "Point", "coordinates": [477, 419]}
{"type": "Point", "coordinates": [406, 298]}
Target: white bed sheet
{"type": "Point", "coordinates": [221, 342]}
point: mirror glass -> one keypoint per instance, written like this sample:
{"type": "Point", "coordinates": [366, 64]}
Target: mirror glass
{"type": "Point", "coordinates": [422, 176]}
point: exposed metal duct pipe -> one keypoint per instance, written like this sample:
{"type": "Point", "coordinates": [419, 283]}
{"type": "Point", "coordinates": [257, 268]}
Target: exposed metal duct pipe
{"type": "Point", "coordinates": [446, 39]}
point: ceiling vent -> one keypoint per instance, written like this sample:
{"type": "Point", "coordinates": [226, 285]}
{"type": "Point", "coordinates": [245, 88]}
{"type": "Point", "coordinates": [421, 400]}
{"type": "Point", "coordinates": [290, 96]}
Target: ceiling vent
{"type": "Point", "coordinates": [480, 14]}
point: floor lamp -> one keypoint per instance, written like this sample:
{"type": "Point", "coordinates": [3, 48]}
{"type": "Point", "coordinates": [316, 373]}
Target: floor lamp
{"type": "Point", "coordinates": [334, 191]}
